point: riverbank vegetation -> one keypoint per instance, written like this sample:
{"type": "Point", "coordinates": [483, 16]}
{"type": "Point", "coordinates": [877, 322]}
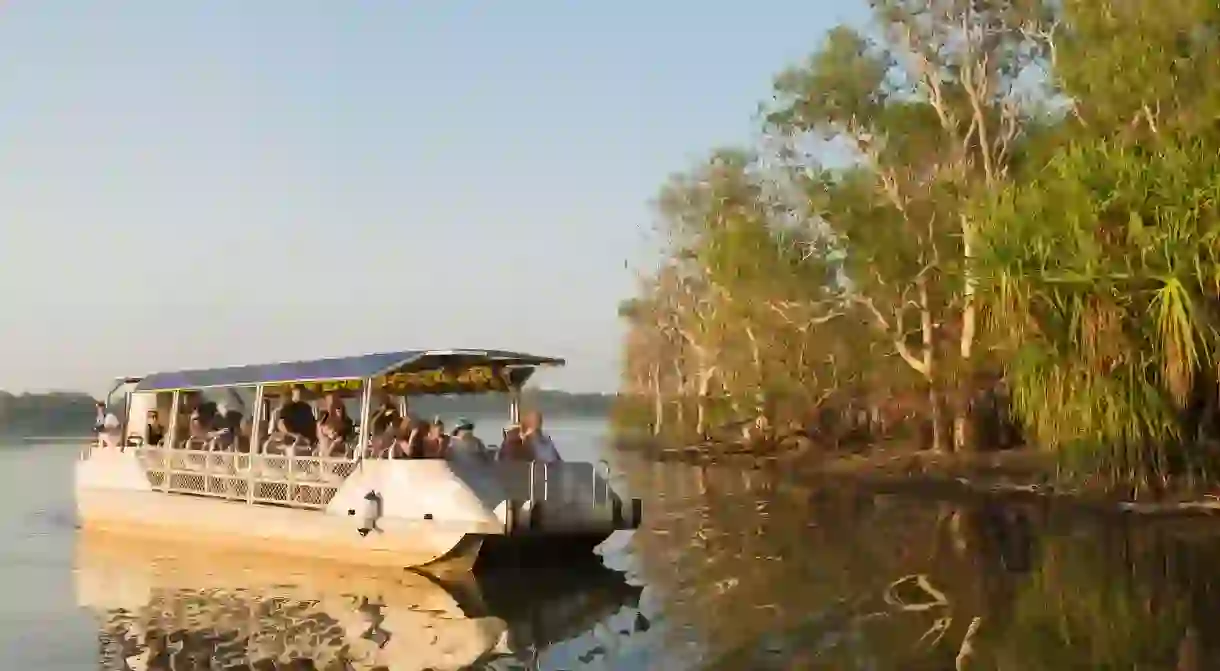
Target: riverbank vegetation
{"type": "Point", "coordinates": [966, 225]}
{"type": "Point", "coordinates": [52, 414]}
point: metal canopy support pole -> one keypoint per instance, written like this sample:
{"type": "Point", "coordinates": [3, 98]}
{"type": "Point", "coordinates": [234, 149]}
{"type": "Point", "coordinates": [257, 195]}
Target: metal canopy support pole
{"type": "Point", "coordinates": [256, 427]}
{"type": "Point", "coordinates": [256, 443]}
{"type": "Point", "coordinates": [366, 409]}
{"type": "Point", "coordinates": [514, 405]}
{"type": "Point", "coordinates": [167, 443]}
{"type": "Point", "coordinates": [126, 421]}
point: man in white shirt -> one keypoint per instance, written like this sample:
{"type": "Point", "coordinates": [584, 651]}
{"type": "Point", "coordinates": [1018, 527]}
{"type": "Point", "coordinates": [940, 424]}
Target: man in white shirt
{"type": "Point", "coordinates": [539, 443]}
{"type": "Point", "coordinates": [109, 435]}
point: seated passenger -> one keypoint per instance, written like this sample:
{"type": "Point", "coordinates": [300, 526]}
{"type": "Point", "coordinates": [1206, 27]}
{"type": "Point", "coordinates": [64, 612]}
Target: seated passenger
{"type": "Point", "coordinates": [409, 440]}
{"type": "Point", "coordinates": [154, 432]}
{"type": "Point", "coordinates": [465, 446]}
{"type": "Point", "coordinates": [335, 427]}
{"type": "Point", "coordinates": [513, 448]}
{"type": "Point", "coordinates": [540, 445]}
{"type": "Point", "coordinates": [245, 430]}
{"type": "Point", "coordinates": [385, 416]}
{"type": "Point", "coordinates": [436, 443]}
{"type": "Point", "coordinates": [224, 428]}
{"type": "Point", "coordinates": [296, 423]}
{"type": "Point", "coordinates": [199, 426]}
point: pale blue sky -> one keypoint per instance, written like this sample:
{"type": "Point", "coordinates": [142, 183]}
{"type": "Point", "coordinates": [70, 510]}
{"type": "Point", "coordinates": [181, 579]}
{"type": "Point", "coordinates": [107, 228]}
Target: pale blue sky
{"type": "Point", "coordinates": [209, 183]}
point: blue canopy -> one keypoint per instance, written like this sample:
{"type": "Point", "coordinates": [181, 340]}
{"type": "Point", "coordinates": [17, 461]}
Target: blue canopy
{"type": "Point", "coordinates": [344, 368]}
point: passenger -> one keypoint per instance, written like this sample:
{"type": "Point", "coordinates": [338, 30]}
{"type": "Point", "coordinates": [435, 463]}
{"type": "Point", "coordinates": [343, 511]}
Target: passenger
{"type": "Point", "coordinates": [154, 432]}
{"type": "Point", "coordinates": [187, 410]}
{"type": "Point", "coordinates": [409, 442]}
{"type": "Point", "coordinates": [335, 427]}
{"type": "Point", "coordinates": [465, 446]}
{"type": "Point", "coordinates": [436, 443]}
{"type": "Point", "coordinates": [99, 417]}
{"type": "Point", "coordinates": [109, 433]}
{"type": "Point", "coordinates": [245, 431]}
{"type": "Point", "coordinates": [540, 445]}
{"type": "Point", "coordinates": [385, 417]}
{"type": "Point", "coordinates": [296, 421]}
{"type": "Point", "coordinates": [224, 427]}
{"type": "Point", "coordinates": [199, 426]}
{"type": "Point", "coordinates": [513, 448]}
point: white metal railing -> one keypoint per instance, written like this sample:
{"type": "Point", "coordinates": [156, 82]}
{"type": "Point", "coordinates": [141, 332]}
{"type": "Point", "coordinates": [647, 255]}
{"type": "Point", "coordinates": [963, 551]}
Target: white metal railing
{"type": "Point", "coordinates": [562, 481]}
{"type": "Point", "coordinates": [297, 481]}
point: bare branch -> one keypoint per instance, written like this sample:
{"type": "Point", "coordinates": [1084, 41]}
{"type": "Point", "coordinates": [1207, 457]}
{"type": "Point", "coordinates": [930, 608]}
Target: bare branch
{"type": "Point", "coordinates": [896, 332]}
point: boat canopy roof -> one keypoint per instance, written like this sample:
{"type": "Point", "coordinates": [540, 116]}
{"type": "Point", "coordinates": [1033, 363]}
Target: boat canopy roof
{"type": "Point", "coordinates": [410, 371]}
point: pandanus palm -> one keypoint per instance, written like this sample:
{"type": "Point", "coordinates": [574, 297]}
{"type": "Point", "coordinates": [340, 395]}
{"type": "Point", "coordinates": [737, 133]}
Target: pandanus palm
{"type": "Point", "coordinates": [1104, 282]}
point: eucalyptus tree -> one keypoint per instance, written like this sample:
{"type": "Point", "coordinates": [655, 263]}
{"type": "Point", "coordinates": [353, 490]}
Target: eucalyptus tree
{"type": "Point", "coordinates": [928, 106]}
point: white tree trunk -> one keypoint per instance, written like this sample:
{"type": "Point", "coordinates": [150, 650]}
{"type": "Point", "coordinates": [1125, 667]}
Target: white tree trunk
{"type": "Point", "coordinates": [962, 414]}
{"type": "Point", "coordinates": [658, 400]}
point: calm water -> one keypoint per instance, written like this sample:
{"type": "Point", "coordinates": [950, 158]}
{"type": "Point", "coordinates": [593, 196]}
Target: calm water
{"type": "Point", "coordinates": [731, 572]}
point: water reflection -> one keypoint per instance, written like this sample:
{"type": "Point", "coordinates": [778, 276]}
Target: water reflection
{"type": "Point", "coordinates": [176, 610]}
{"type": "Point", "coordinates": [757, 575]}
{"type": "Point", "coordinates": [741, 573]}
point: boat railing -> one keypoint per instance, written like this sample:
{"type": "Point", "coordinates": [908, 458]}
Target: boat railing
{"type": "Point", "coordinates": [565, 481]}
{"type": "Point", "coordinates": [290, 480]}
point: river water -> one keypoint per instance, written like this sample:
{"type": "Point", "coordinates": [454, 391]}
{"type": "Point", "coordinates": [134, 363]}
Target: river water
{"type": "Point", "coordinates": [732, 571]}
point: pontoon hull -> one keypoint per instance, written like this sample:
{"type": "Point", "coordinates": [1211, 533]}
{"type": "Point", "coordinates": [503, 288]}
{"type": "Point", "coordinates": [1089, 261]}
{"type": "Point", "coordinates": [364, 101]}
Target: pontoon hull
{"type": "Point", "coordinates": [262, 529]}
{"type": "Point", "coordinates": [428, 514]}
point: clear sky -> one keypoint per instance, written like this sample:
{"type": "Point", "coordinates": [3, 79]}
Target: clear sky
{"type": "Point", "coordinates": [192, 184]}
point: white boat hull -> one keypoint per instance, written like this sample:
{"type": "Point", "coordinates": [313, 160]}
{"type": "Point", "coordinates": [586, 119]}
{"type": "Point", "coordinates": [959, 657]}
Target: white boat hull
{"type": "Point", "coordinates": [429, 513]}
{"type": "Point", "coordinates": [270, 529]}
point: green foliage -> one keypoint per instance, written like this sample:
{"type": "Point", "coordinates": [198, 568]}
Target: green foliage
{"type": "Point", "coordinates": [1103, 269]}
{"type": "Point", "coordinates": [968, 187]}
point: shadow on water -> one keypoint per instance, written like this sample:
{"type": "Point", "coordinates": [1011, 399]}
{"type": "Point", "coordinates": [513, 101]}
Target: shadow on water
{"type": "Point", "coordinates": [170, 610]}
{"type": "Point", "coordinates": [753, 575]}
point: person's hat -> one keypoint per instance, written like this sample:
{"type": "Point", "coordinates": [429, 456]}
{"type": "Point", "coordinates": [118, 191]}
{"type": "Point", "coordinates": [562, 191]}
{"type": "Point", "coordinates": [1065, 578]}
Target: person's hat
{"type": "Point", "coordinates": [464, 424]}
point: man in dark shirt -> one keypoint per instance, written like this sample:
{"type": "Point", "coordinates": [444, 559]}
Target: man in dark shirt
{"type": "Point", "coordinates": [297, 420]}
{"type": "Point", "coordinates": [154, 433]}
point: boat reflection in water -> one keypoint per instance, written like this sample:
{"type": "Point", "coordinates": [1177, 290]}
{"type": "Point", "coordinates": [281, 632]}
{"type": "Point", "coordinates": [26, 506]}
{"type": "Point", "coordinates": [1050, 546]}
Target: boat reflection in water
{"type": "Point", "coordinates": [169, 609]}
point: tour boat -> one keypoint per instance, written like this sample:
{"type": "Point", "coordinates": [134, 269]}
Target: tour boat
{"type": "Point", "coordinates": [243, 489]}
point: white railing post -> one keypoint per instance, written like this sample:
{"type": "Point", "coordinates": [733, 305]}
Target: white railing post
{"type": "Point", "coordinates": [256, 443]}
{"type": "Point", "coordinates": [292, 467]}
{"type": "Point", "coordinates": [167, 442]}
{"type": "Point", "coordinates": [366, 409]}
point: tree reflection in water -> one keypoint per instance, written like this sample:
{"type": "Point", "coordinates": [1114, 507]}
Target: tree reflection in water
{"type": "Point", "coordinates": [755, 575]}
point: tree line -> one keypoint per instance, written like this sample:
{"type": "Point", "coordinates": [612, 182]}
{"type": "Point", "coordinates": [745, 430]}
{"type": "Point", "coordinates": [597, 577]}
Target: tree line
{"type": "Point", "coordinates": [961, 213]}
{"type": "Point", "coordinates": [73, 413]}
{"type": "Point", "coordinates": [53, 414]}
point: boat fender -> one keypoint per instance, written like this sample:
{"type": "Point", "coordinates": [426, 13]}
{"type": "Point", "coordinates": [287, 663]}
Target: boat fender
{"type": "Point", "coordinates": [371, 511]}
